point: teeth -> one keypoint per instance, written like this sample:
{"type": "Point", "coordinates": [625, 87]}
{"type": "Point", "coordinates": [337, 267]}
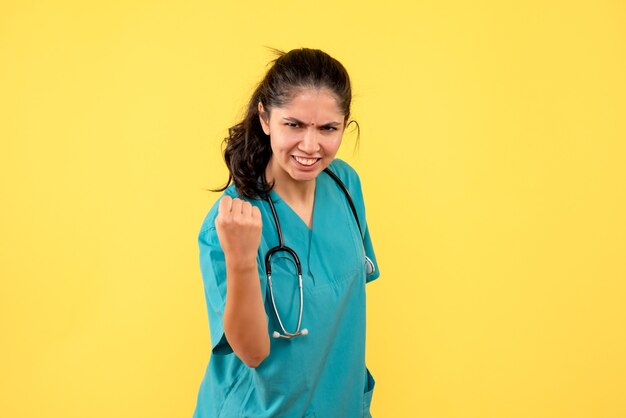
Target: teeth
{"type": "Point", "coordinates": [305, 161]}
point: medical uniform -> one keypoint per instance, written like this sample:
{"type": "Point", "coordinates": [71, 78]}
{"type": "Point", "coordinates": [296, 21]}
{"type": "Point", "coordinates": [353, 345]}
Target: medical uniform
{"type": "Point", "coordinates": [322, 374]}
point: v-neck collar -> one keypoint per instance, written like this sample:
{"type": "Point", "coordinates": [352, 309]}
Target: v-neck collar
{"type": "Point", "coordinates": [278, 199]}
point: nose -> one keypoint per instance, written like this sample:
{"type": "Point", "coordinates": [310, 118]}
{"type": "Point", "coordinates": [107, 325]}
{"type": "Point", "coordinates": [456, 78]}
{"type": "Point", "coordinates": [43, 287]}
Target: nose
{"type": "Point", "coordinates": [309, 143]}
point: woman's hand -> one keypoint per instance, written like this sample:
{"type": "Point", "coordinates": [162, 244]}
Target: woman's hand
{"type": "Point", "coordinates": [238, 225]}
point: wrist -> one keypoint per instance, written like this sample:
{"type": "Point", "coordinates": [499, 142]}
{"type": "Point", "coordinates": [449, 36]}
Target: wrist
{"type": "Point", "coordinates": [241, 265]}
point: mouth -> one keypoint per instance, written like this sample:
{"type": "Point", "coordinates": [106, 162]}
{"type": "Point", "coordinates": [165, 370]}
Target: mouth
{"type": "Point", "coordinates": [305, 162]}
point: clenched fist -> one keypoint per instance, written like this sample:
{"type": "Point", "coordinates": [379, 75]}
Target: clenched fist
{"type": "Point", "coordinates": [238, 225]}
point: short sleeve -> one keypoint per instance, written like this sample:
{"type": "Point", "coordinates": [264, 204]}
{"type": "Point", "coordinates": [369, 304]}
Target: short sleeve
{"type": "Point", "coordinates": [367, 239]}
{"type": "Point", "coordinates": [369, 251]}
{"type": "Point", "coordinates": [213, 268]}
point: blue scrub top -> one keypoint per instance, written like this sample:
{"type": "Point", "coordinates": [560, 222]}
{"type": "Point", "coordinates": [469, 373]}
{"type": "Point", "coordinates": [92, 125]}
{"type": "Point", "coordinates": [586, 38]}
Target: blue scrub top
{"type": "Point", "coordinates": [322, 374]}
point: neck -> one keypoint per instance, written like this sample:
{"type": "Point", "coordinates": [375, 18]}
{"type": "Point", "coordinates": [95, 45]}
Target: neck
{"type": "Point", "coordinates": [296, 192]}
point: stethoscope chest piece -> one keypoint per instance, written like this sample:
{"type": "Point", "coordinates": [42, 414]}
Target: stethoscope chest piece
{"type": "Point", "coordinates": [369, 266]}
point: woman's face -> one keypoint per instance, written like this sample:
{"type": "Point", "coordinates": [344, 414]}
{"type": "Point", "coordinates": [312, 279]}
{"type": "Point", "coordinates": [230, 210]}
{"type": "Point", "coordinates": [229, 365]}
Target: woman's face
{"type": "Point", "coordinates": [305, 135]}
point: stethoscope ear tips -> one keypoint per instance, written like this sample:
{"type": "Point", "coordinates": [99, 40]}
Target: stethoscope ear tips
{"type": "Point", "coordinates": [304, 331]}
{"type": "Point", "coordinates": [276, 334]}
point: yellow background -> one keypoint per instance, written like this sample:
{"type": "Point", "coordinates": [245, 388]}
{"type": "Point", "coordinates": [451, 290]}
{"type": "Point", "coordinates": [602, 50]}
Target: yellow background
{"type": "Point", "coordinates": [493, 148]}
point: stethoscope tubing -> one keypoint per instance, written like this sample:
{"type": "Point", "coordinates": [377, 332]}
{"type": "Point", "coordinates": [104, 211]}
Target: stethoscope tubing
{"type": "Point", "coordinates": [283, 248]}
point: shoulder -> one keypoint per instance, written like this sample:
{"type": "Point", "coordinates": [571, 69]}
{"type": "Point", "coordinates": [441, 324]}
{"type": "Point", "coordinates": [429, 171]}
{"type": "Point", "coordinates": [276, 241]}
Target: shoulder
{"type": "Point", "coordinates": [342, 168]}
{"type": "Point", "coordinates": [346, 173]}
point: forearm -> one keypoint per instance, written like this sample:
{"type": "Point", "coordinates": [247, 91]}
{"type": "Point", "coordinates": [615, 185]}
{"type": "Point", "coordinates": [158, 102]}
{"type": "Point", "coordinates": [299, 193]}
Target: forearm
{"type": "Point", "coordinates": [245, 323]}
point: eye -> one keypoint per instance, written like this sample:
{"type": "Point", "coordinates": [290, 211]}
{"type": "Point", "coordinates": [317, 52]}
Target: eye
{"type": "Point", "coordinates": [291, 124]}
{"type": "Point", "coordinates": [328, 128]}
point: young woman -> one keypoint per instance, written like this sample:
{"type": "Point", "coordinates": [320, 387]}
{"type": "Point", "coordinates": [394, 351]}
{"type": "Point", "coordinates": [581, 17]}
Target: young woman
{"type": "Point", "coordinates": [285, 255]}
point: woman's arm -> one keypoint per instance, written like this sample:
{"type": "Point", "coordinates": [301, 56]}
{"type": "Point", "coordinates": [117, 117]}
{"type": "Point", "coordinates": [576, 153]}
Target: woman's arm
{"type": "Point", "coordinates": [238, 225]}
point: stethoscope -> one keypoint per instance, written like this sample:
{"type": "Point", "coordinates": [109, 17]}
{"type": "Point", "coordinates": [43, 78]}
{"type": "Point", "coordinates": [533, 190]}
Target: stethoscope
{"type": "Point", "coordinates": [281, 247]}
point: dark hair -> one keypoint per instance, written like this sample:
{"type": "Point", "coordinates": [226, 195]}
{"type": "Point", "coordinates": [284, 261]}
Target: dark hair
{"type": "Point", "coordinates": [248, 150]}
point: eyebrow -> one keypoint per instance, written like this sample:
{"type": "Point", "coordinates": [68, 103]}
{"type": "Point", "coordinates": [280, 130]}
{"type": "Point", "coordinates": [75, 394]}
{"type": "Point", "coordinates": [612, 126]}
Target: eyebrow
{"type": "Point", "coordinates": [294, 120]}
